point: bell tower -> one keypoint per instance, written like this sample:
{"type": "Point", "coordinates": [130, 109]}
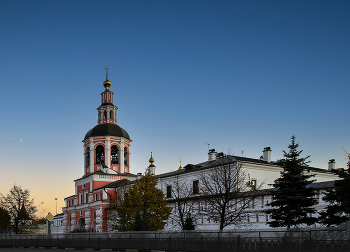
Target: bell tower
{"type": "Point", "coordinates": [107, 146]}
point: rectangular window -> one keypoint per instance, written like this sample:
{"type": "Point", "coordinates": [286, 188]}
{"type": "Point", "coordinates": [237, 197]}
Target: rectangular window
{"type": "Point", "coordinates": [262, 201]}
{"type": "Point", "coordinates": [81, 198]}
{"type": "Point", "coordinates": [100, 196]}
{"type": "Point", "coordinates": [195, 187]}
{"type": "Point", "coordinates": [257, 218]}
{"type": "Point", "coordinates": [168, 191]}
{"type": "Point", "coordinates": [86, 197]}
{"type": "Point", "coordinates": [94, 215]}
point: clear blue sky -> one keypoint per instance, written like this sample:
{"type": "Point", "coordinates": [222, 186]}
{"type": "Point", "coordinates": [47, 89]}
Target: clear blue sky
{"type": "Point", "coordinates": [240, 75]}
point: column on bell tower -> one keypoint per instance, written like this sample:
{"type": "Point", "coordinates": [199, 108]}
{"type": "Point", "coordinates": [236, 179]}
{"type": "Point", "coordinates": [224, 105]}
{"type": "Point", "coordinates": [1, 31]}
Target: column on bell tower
{"type": "Point", "coordinates": [121, 157]}
{"type": "Point", "coordinates": [108, 151]}
{"type": "Point", "coordinates": [92, 156]}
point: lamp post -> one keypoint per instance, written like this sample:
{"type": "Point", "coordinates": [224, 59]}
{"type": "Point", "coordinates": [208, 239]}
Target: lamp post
{"type": "Point", "coordinates": [56, 205]}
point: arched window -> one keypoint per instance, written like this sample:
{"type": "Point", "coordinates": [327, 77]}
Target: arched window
{"type": "Point", "coordinates": [111, 114]}
{"type": "Point", "coordinates": [105, 114]}
{"type": "Point", "coordinates": [126, 155]}
{"type": "Point", "coordinates": [115, 154]}
{"type": "Point", "coordinates": [100, 152]}
{"type": "Point", "coordinates": [87, 157]}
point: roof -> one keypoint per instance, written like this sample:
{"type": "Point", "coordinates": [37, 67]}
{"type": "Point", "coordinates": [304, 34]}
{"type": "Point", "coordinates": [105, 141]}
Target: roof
{"type": "Point", "coordinates": [59, 215]}
{"type": "Point", "coordinates": [228, 159]}
{"type": "Point", "coordinates": [116, 184]}
{"type": "Point", "coordinates": [322, 185]}
{"type": "Point", "coordinates": [107, 129]}
{"type": "Point", "coordinates": [126, 174]}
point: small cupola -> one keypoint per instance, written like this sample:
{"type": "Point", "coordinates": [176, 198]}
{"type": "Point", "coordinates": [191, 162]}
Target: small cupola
{"type": "Point", "coordinates": [180, 167]}
{"type": "Point", "coordinates": [107, 112]}
{"type": "Point", "coordinates": [151, 168]}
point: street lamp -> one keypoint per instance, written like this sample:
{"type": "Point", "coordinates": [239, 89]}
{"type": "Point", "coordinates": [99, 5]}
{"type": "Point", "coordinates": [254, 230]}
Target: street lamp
{"type": "Point", "coordinates": [56, 205]}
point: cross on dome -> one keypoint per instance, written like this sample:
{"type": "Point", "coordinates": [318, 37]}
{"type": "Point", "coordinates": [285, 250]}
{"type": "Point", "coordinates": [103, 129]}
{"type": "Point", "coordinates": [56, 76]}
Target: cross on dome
{"type": "Point", "coordinates": [106, 72]}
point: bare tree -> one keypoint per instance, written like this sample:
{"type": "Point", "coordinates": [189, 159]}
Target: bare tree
{"type": "Point", "coordinates": [226, 190]}
{"type": "Point", "coordinates": [20, 207]}
{"type": "Point", "coordinates": [122, 189]}
{"type": "Point", "coordinates": [180, 193]}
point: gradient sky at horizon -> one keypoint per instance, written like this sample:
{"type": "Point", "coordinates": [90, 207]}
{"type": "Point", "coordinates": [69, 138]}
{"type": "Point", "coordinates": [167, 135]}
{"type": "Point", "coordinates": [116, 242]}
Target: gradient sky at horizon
{"type": "Point", "coordinates": [240, 75]}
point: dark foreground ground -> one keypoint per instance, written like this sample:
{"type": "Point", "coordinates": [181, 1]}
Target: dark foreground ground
{"type": "Point", "coordinates": [31, 250]}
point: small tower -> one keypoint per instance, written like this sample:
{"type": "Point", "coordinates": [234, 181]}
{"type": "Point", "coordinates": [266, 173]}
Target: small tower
{"type": "Point", "coordinates": [107, 112]}
{"type": "Point", "coordinates": [151, 168]}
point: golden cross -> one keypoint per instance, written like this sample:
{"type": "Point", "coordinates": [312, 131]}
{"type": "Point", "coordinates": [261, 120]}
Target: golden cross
{"type": "Point", "coordinates": [106, 73]}
{"type": "Point", "coordinates": [151, 148]}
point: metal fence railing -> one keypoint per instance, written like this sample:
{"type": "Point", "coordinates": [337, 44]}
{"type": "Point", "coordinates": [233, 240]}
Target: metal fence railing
{"type": "Point", "coordinates": [232, 240]}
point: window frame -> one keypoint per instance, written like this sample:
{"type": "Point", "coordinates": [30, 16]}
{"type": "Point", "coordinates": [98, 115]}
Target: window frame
{"type": "Point", "coordinates": [195, 187]}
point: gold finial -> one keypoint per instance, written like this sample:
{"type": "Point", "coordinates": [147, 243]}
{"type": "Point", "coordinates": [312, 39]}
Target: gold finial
{"type": "Point", "coordinates": [151, 160]}
{"type": "Point", "coordinates": [106, 83]}
{"type": "Point", "coordinates": [180, 168]}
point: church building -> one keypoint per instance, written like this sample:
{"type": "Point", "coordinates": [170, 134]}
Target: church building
{"type": "Point", "coordinates": [106, 160]}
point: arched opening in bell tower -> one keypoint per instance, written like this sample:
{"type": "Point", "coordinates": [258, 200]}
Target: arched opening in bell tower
{"type": "Point", "coordinates": [99, 153]}
{"type": "Point", "coordinates": [87, 157]}
{"type": "Point", "coordinates": [115, 154]}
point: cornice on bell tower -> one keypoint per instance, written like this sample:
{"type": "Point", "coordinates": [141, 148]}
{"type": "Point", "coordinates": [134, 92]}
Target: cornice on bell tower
{"type": "Point", "coordinates": [107, 112]}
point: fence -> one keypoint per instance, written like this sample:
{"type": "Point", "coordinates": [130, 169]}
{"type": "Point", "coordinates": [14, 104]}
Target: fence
{"type": "Point", "coordinates": [263, 240]}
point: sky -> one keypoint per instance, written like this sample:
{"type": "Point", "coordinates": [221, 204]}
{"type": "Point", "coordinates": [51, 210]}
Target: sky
{"type": "Point", "coordinates": [238, 75]}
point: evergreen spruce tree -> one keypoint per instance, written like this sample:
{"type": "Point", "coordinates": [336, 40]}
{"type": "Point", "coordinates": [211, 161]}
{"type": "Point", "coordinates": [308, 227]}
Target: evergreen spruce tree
{"type": "Point", "coordinates": [189, 225]}
{"type": "Point", "coordinates": [293, 202]}
{"type": "Point", "coordinates": [337, 210]}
